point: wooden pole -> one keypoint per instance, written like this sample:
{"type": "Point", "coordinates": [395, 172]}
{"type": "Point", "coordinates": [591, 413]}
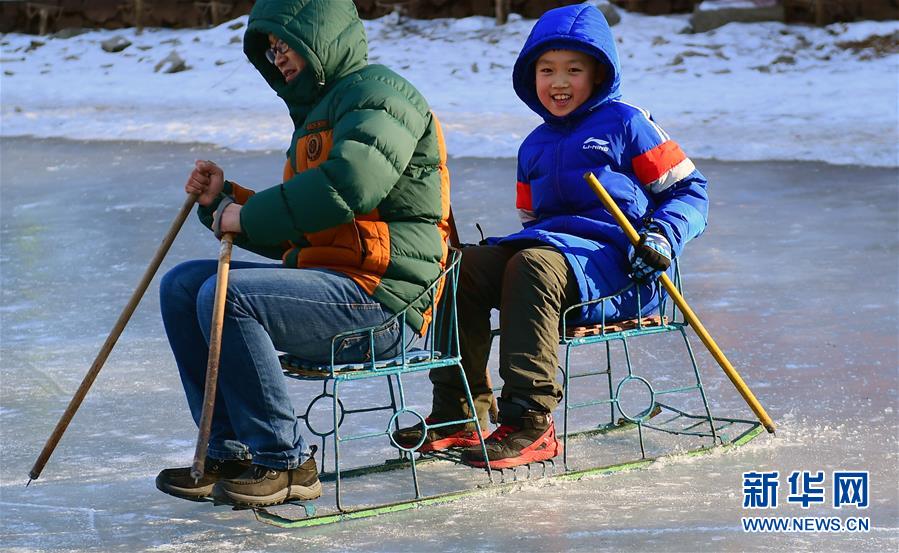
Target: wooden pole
{"type": "Point", "coordinates": [691, 317]}
{"type": "Point", "coordinates": [215, 350]}
{"type": "Point", "coordinates": [111, 340]}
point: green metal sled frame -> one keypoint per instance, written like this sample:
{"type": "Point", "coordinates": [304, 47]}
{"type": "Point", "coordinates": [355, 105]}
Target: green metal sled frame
{"type": "Point", "coordinates": [268, 517]}
{"type": "Point", "coordinates": [447, 357]}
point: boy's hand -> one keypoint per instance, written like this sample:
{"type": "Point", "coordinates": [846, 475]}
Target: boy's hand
{"type": "Point", "coordinates": [651, 257]}
{"type": "Point", "coordinates": [207, 180]}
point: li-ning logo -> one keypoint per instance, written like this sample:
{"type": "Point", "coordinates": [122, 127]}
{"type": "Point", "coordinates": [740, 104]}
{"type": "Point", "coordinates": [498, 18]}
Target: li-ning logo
{"type": "Point", "coordinates": [596, 144]}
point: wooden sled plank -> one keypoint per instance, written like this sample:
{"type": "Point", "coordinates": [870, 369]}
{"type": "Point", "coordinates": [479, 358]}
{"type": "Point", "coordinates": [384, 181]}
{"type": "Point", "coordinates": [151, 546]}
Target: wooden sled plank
{"type": "Point", "coordinates": [609, 328]}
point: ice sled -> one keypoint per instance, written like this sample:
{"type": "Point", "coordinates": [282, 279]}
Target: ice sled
{"type": "Point", "coordinates": [633, 394]}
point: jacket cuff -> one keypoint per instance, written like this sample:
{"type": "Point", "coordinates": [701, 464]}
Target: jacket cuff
{"type": "Point", "coordinates": [205, 212]}
{"type": "Point", "coordinates": [665, 230]}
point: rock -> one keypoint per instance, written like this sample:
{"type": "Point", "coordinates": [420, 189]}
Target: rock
{"type": "Point", "coordinates": [236, 25]}
{"type": "Point", "coordinates": [877, 45]}
{"type": "Point", "coordinates": [784, 59]}
{"type": "Point", "coordinates": [679, 58]}
{"type": "Point", "coordinates": [70, 32]}
{"type": "Point", "coordinates": [706, 20]}
{"type": "Point", "coordinates": [174, 62]}
{"type": "Point", "coordinates": [610, 13]}
{"type": "Point", "coordinates": [35, 44]}
{"type": "Point", "coordinates": [235, 40]}
{"type": "Point", "coordinates": [115, 44]}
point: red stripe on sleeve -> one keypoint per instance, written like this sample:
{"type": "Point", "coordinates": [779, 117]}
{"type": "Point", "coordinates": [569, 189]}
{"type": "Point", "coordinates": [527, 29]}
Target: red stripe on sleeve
{"type": "Point", "coordinates": [523, 196]}
{"type": "Point", "coordinates": [652, 164]}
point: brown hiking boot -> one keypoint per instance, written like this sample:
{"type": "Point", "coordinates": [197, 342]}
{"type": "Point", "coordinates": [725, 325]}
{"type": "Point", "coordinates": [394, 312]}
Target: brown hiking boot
{"type": "Point", "coordinates": [444, 437]}
{"type": "Point", "coordinates": [260, 486]}
{"type": "Point", "coordinates": [180, 483]}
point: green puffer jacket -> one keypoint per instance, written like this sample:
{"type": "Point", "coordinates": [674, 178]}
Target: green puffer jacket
{"type": "Point", "coordinates": [366, 188]}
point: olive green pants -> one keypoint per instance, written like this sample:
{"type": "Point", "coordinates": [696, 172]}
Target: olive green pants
{"type": "Point", "coordinates": [530, 286]}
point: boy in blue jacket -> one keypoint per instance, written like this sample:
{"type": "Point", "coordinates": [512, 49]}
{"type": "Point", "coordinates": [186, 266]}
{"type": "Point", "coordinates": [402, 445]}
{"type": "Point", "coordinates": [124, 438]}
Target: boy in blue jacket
{"type": "Point", "coordinates": [570, 249]}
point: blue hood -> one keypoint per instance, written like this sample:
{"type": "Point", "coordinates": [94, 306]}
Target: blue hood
{"type": "Point", "coordinates": [580, 27]}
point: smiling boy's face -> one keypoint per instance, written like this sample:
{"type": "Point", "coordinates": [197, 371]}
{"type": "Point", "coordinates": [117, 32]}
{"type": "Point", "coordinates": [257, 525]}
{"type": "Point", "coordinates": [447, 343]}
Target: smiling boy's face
{"type": "Point", "coordinates": [288, 62]}
{"type": "Point", "coordinates": [566, 79]}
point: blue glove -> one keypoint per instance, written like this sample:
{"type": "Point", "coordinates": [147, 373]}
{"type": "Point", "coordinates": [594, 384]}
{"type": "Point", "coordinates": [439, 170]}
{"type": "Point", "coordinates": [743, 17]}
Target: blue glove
{"type": "Point", "coordinates": [651, 257]}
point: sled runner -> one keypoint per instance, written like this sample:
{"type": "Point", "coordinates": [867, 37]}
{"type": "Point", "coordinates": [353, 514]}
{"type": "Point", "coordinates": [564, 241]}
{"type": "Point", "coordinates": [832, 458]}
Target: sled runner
{"type": "Point", "coordinates": [307, 514]}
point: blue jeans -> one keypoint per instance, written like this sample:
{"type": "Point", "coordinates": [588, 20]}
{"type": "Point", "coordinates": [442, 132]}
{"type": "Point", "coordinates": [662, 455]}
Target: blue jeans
{"type": "Point", "coordinates": [268, 309]}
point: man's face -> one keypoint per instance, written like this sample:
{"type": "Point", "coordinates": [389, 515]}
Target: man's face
{"type": "Point", "coordinates": [566, 79]}
{"type": "Point", "coordinates": [288, 62]}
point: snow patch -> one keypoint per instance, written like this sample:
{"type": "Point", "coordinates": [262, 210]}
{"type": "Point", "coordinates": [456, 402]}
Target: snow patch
{"type": "Point", "coordinates": [763, 91]}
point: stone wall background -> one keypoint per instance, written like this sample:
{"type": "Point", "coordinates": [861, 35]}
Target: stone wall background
{"type": "Point", "coordinates": [25, 16]}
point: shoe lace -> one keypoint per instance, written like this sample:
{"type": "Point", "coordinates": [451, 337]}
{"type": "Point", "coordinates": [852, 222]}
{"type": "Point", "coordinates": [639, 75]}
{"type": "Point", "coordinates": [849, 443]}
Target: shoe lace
{"type": "Point", "coordinates": [259, 471]}
{"type": "Point", "coordinates": [504, 430]}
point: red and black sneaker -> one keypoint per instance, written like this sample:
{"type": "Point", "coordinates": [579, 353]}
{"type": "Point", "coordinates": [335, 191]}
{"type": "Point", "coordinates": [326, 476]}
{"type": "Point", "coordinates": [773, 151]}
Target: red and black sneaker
{"type": "Point", "coordinates": [444, 437]}
{"type": "Point", "coordinates": [530, 439]}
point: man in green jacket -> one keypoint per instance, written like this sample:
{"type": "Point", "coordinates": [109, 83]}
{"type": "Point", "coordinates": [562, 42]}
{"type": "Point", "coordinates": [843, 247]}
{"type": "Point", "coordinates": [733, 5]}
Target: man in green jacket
{"type": "Point", "coordinates": [359, 222]}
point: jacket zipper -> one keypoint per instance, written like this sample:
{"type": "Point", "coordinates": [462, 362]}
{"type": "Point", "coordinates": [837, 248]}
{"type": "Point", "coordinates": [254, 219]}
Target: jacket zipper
{"type": "Point", "coordinates": [558, 168]}
{"type": "Point", "coordinates": [566, 132]}
{"type": "Point", "coordinates": [362, 249]}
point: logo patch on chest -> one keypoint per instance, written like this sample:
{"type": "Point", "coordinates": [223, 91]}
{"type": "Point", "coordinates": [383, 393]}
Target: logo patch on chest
{"type": "Point", "coordinates": [313, 147]}
{"type": "Point", "coordinates": [596, 144]}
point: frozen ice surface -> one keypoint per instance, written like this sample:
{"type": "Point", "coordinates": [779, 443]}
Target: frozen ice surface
{"type": "Point", "coordinates": [795, 278]}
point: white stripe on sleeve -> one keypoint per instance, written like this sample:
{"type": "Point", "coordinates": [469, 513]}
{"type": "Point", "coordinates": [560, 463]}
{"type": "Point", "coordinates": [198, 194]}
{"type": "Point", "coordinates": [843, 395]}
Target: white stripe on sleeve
{"type": "Point", "coordinates": [672, 176]}
{"type": "Point", "coordinates": [663, 136]}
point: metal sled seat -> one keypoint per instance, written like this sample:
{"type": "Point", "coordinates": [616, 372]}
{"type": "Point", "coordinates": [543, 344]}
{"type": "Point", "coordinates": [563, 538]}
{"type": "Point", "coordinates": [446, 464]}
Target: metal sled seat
{"type": "Point", "coordinates": [658, 415]}
{"type": "Point", "coordinates": [438, 349]}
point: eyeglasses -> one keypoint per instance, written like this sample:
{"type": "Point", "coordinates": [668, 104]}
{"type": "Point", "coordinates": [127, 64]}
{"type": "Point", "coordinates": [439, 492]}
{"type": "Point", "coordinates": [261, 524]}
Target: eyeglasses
{"type": "Point", "coordinates": [280, 47]}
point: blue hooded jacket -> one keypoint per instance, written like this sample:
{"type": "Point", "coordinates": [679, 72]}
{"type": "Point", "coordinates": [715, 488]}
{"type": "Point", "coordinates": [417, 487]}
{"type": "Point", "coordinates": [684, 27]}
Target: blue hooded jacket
{"type": "Point", "coordinates": [651, 179]}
